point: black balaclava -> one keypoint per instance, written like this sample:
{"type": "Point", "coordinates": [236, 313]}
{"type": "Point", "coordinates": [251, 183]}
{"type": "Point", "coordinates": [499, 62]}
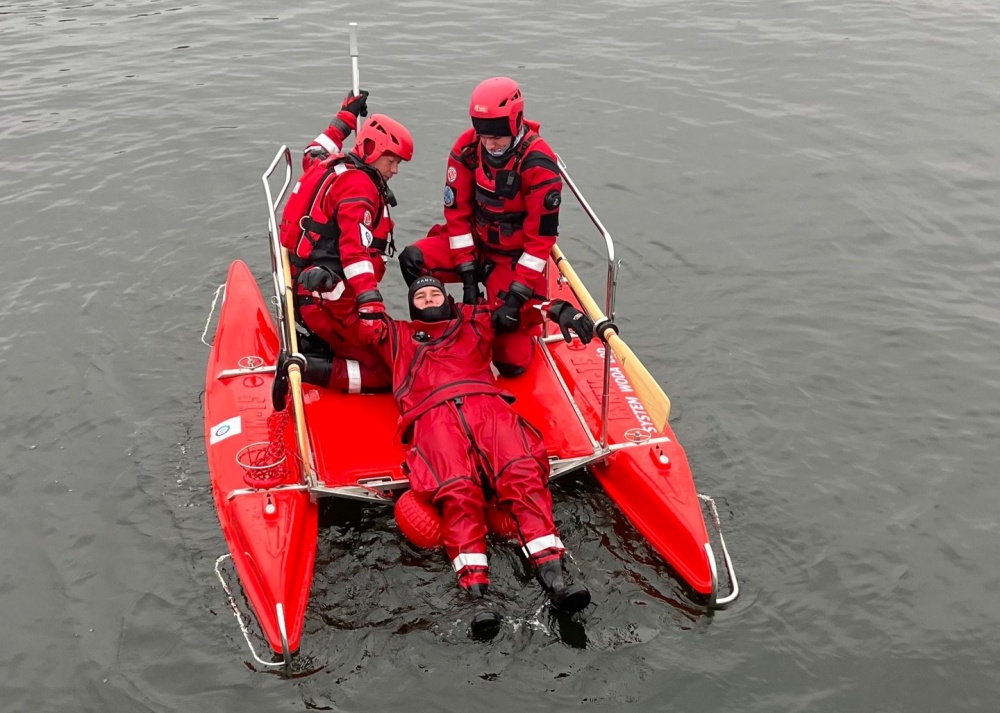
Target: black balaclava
{"type": "Point", "coordinates": [429, 314]}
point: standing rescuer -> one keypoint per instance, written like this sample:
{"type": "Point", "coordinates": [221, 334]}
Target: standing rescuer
{"type": "Point", "coordinates": [467, 441]}
{"type": "Point", "coordinates": [501, 208]}
{"type": "Point", "coordinates": [337, 229]}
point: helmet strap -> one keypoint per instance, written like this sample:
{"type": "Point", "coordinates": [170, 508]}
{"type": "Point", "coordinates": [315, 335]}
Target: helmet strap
{"type": "Point", "coordinates": [383, 187]}
{"type": "Point", "coordinates": [500, 160]}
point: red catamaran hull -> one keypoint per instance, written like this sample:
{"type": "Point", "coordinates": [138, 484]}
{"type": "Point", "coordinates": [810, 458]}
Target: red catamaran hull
{"type": "Point", "coordinates": [272, 534]}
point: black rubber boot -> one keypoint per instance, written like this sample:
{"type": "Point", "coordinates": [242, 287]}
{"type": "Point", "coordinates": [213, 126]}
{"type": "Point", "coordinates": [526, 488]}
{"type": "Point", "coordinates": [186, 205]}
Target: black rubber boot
{"type": "Point", "coordinates": [564, 598]}
{"type": "Point", "coordinates": [317, 371]}
{"type": "Point", "coordinates": [279, 389]}
{"type": "Point", "coordinates": [411, 264]}
{"type": "Point", "coordinates": [485, 623]}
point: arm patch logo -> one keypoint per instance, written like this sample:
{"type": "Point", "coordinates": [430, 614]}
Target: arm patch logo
{"type": "Point", "coordinates": [452, 174]}
{"type": "Point", "coordinates": [366, 236]}
{"type": "Point", "coordinates": [552, 199]}
{"type": "Point", "coordinates": [449, 197]}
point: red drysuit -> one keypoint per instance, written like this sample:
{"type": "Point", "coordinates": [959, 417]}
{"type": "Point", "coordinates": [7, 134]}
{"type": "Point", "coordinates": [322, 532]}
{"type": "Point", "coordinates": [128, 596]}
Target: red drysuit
{"type": "Point", "coordinates": [502, 221]}
{"type": "Point", "coordinates": [466, 439]}
{"type": "Point", "coordinates": [337, 216]}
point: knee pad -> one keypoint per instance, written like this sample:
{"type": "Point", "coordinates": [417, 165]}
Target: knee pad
{"type": "Point", "coordinates": [411, 263]}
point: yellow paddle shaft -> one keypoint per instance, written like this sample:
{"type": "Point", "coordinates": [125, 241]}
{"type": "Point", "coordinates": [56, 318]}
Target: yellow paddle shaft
{"type": "Point", "coordinates": [649, 392]}
{"type": "Point", "coordinates": [294, 372]}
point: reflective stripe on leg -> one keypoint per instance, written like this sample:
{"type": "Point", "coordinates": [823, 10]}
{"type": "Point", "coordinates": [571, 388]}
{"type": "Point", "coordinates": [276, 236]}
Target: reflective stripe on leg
{"type": "Point", "coordinates": [539, 545]}
{"type": "Point", "coordinates": [469, 559]}
{"type": "Point", "coordinates": [353, 376]}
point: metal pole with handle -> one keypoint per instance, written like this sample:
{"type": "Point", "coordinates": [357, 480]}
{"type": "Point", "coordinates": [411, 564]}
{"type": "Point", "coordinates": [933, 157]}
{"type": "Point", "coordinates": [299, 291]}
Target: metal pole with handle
{"type": "Point", "coordinates": [355, 73]}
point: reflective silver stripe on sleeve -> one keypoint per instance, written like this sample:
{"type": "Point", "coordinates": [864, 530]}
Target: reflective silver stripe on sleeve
{"type": "Point", "coordinates": [531, 262]}
{"type": "Point", "coordinates": [540, 544]}
{"type": "Point", "coordinates": [469, 559]}
{"type": "Point", "coordinates": [353, 376]}
{"type": "Point", "coordinates": [359, 268]}
{"type": "Point", "coordinates": [339, 169]}
{"type": "Point", "coordinates": [457, 242]}
{"type": "Point", "coordinates": [326, 142]}
{"type": "Point", "coordinates": [333, 294]}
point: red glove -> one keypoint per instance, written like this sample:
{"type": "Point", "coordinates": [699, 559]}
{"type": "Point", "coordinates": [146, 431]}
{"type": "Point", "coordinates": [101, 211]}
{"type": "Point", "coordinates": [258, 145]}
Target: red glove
{"type": "Point", "coordinates": [373, 327]}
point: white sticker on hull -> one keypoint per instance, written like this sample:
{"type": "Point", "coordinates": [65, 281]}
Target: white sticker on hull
{"type": "Point", "coordinates": [229, 427]}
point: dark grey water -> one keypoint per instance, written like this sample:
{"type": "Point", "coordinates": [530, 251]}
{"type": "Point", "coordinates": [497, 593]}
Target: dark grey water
{"type": "Point", "coordinates": [805, 196]}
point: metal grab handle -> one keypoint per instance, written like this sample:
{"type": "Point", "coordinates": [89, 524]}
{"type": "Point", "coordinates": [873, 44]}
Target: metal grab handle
{"type": "Point", "coordinates": [286, 661]}
{"type": "Point", "coordinates": [609, 306]}
{"type": "Point", "coordinates": [609, 294]}
{"type": "Point", "coordinates": [287, 341]}
{"type": "Point", "coordinates": [717, 602]}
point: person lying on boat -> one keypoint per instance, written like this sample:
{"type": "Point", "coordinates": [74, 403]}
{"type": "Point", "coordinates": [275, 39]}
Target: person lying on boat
{"type": "Point", "coordinates": [502, 195]}
{"type": "Point", "coordinates": [466, 439]}
{"type": "Point", "coordinates": [338, 232]}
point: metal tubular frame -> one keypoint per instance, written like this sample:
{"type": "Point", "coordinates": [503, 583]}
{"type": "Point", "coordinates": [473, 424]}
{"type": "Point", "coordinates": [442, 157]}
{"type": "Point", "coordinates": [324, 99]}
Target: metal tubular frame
{"type": "Point", "coordinates": [277, 273]}
{"type": "Point", "coordinates": [286, 659]}
{"type": "Point", "coordinates": [281, 272]}
{"type": "Point", "coordinates": [609, 298]}
{"type": "Point", "coordinates": [717, 602]}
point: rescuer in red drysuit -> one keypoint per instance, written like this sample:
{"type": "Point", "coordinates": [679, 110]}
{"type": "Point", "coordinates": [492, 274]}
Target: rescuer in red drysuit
{"type": "Point", "coordinates": [337, 230]}
{"type": "Point", "coordinates": [501, 209]}
{"type": "Point", "coordinates": [467, 441]}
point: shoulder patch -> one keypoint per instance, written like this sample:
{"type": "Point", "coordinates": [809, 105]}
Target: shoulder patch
{"type": "Point", "coordinates": [449, 196]}
{"type": "Point", "coordinates": [368, 217]}
{"type": "Point", "coordinates": [552, 199]}
{"type": "Point", "coordinates": [452, 174]}
{"type": "Point", "coordinates": [366, 236]}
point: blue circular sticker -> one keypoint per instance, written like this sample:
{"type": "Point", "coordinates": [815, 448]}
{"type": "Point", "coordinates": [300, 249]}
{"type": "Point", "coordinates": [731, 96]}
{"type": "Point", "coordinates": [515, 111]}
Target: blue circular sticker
{"type": "Point", "coordinates": [449, 196]}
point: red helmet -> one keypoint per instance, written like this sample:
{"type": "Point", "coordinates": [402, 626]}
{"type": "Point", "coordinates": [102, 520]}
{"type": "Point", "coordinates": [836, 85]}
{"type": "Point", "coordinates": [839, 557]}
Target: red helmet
{"type": "Point", "coordinates": [381, 135]}
{"type": "Point", "coordinates": [497, 107]}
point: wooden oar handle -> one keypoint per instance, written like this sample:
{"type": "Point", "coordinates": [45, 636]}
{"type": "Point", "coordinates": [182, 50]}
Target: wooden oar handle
{"type": "Point", "coordinates": [655, 402]}
{"type": "Point", "coordinates": [294, 370]}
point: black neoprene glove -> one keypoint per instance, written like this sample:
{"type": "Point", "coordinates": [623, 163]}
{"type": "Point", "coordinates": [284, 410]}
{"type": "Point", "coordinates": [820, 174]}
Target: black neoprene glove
{"type": "Point", "coordinates": [318, 279]}
{"type": "Point", "coordinates": [507, 318]}
{"type": "Point", "coordinates": [356, 104]}
{"type": "Point", "coordinates": [470, 286]}
{"type": "Point", "coordinates": [569, 317]}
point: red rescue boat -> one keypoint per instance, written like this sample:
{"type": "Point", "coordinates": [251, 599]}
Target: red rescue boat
{"type": "Point", "coordinates": [596, 406]}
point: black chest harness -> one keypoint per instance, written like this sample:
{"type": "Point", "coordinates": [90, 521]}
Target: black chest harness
{"type": "Point", "coordinates": [325, 237]}
{"type": "Point", "coordinates": [489, 207]}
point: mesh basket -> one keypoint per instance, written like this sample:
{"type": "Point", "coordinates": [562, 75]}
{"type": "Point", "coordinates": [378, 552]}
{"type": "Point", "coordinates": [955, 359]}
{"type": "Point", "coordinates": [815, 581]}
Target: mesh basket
{"type": "Point", "coordinates": [265, 463]}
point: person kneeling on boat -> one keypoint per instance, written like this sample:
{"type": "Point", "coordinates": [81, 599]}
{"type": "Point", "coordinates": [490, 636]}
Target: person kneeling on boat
{"type": "Point", "coordinates": [466, 439]}
{"type": "Point", "coordinates": [502, 195]}
{"type": "Point", "coordinates": [338, 232]}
